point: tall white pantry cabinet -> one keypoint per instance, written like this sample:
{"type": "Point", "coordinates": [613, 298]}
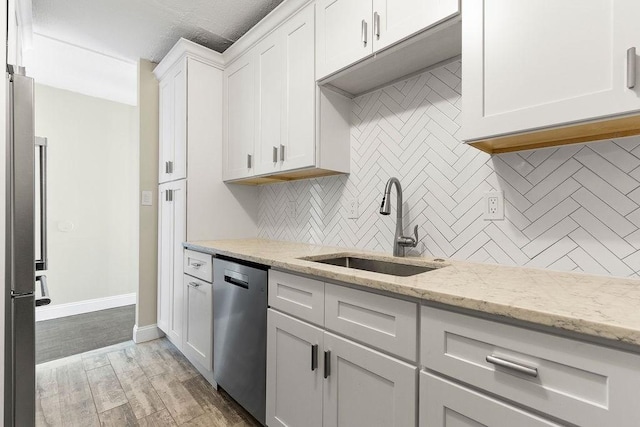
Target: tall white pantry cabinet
{"type": "Point", "coordinates": [194, 203]}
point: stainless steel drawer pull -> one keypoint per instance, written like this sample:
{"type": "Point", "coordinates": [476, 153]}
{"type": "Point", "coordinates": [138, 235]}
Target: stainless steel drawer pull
{"type": "Point", "coordinates": [314, 357]}
{"type": "Point", "coordinates": [631, 67]}
{"type": "Point", "coordinates": [281, 153]}
{"type": "Point", "coordinates": [376, 25]}
{"type": "Point", "coordinates": [275, 154]}
{"type": "Point", "coordinates": [248, 161]}
{"type": "Point", "coordinates": [195, 265]}
{"type": "Point", "coordinates": [364, 33]}
{"type": "Point", "coordinates": [327, 364]}
{"type": "Point", "coordinates": [514, 366]}
{"type": "Point", "coordinates": [194, 284]}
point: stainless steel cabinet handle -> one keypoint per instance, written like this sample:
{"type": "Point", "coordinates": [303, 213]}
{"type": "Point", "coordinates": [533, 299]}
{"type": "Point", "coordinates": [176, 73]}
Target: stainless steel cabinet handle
{"type": "Point", "coordinates": [281, 153]}
{"type": "Point", "coordinates": [44, 290]}
{"type": "Point", "coordinates": [314, 357]}
{"type": "Point", "coordinates": [41, 264]}
{"type": "Point", "coordinates": [275, 154]}
{"type": "Point", "coordinates": [194, 284]}
{"type": "Point", "coordinates": [327, 364]}
{"type": "Point", "coordinates": [631, 67]}
{"type": "Point", "coordinates": [166, 167]}
{"type": "Point", "coordinates": [170, 166]}
{"type": "Point", "coordinates": [195, 265]}
{"type": "Point", "coordinates": [248, 161]}
{"type": "Point", "coordinates": [364, 32]}
{"type": "Point", "coordinates": [514, 366]}
{"type": "Point", "coordinates": [168, 196]}
{"type": "Point", "coordinates": [376, 25]}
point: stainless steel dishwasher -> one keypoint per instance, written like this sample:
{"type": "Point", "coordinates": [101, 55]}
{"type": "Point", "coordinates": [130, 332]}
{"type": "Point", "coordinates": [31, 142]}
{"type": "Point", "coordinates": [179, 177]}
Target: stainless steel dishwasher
{"type": "Point", "coordinates": [240, 333]}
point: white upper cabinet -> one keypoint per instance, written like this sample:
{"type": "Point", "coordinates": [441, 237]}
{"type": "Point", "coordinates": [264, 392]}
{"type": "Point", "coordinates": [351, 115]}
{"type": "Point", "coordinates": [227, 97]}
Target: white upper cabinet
{"type": "Point", "coordinates": [344, 34]}
{"type": "Point", "coordinates": [173, 121]}
{"type": "Point", "coordinates": [531, 64]}
{"type": "Point", "coordinates": [351, 30]}
{"type": "Point", "coordinates": [393, 20]}
{"type": "Point", "coordinates": [269, 90]}
{"type": "Point", "coordinates": [273, 107]}
{"type": "Point", "coordinates": [239, 118]}
{"type": "Point", "coordinates": [297, 149]}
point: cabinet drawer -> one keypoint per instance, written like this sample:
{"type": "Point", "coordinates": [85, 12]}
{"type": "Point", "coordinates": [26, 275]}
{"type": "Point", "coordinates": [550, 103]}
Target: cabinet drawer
{"type": "Point", "coordinates": [299, 296]}
{"type": "Point", "coordinates": [387, 323]}
{"type": "Point", "coordinates": [581, 383]}
{"type": "Point", "coordinates": [198, 265]}
{"type": "Point", "coordinates": [443, 403]}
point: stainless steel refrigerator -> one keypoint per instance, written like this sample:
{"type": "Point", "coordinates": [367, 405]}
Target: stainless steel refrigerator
{"type": "Point", "coordinates": [26, 254]}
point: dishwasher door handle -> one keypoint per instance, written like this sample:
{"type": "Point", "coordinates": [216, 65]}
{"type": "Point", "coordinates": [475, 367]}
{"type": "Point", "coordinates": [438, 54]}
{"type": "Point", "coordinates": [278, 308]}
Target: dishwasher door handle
{"type": "Point", "coordinates": [236, 282]}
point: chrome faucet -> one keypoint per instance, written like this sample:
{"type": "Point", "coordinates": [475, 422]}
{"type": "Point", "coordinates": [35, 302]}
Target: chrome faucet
{"type": "Point", "coordinates": [399, 241]}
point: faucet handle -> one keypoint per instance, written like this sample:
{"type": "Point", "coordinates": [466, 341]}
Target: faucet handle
{"type": "Point", "coordinates": [415, 239]}
{"type": "Point", "coordinates": [409, 241]}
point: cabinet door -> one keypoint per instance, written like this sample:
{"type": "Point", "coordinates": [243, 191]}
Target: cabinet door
{"type": "Point", "coordinates": [394, 20]}
{"type": "Point", "coordinates": [167, 125]}
{"type": "Point", "coordinates": [165, 256]}
{"type": "Point", "coordinates": [344, 34]}
{"type": "Point", "coordinates": [366, 388]}
{"type": "Point", "coordinates": [444, 403]}
{"type": "Point", "coordinates": [294, 374]}
{"type": "Point", "coordinates": [239, 114]}
{"type": "Point", "coordinates": [173, 120]}
{"type": "Point", "coordinates": [179, 205]}
{"type": "Point", "coordinates": [171, 235]}
{"type": "Point", "coordinates": [298, 145]}
{"type": "Point", "coordinates": [198, 321]}
{"type": "Point", "coordinates": [269, 90]}
{"type": "Point", "coordinates": [537, 63]}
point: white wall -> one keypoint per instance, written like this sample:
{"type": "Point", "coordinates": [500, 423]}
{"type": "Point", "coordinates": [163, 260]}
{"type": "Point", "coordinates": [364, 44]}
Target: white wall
{"type": "Point", "coordinates": [574, 208]}
{"type": "Point", "coordinates": [92, 194]}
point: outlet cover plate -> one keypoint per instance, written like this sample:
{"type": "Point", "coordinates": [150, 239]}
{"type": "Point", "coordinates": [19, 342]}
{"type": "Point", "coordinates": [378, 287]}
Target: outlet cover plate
{"type": "Point", "coordinates": [352, 205]}
{"type": "Point", "coordinates": [494, 206]}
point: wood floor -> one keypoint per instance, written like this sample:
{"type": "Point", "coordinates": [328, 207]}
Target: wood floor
{"type": "Point", "coordinates": [148, 384]}
{"type": "Point", "coordinates": [58, 338]}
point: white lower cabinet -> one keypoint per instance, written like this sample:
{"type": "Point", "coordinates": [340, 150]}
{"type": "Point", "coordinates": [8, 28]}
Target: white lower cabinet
{"type": "Point", "coordinates": [316, 378]}
{"type": "Point", "coordinates": [446, 404]}
{"type": "Point", "coordinates": [172, 225]}
{"type": "Point", "coordinates": [365, 387]}
{"type": "Point", "coordinates": [198, 321]}
{"type": "Point", "coordinates": [294, 374]}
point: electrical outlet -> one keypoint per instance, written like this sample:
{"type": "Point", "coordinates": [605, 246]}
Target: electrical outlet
{"type": "Point", "coordinates": [494, 205]}
{"type": "Point", "coordinates": [292, 209]}
{"type": "Point", "coordinates": [353, 209]}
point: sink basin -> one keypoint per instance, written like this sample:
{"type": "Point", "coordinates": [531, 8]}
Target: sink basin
{"type": "Point", "coordinates": [377, 266]}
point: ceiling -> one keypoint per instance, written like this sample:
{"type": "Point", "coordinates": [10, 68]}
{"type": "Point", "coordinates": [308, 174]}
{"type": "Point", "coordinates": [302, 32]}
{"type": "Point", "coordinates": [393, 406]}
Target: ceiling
{"type": "Point", "coordinates": [132, 29]}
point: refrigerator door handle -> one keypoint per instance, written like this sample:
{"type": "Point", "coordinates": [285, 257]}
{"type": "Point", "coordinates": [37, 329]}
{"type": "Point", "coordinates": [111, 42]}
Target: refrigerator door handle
{"type": "Point", "coordinates": [46, 298]}
{"type": "Point", "coordinates": [41, 145]}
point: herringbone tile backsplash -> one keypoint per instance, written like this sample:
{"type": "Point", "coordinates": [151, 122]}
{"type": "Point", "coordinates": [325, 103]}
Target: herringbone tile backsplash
{"type": "Point", "coordinates": [570, 208]}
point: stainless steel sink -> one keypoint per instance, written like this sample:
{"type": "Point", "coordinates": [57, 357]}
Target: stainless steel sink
{"type": "Point", "coordinates": [375, 265]}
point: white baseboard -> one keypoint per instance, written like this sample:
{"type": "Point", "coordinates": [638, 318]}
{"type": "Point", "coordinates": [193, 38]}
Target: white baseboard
{"type": "Point", "coordinates": [146, 333]}
{"type": "Point", "coordinates": [47, 312]}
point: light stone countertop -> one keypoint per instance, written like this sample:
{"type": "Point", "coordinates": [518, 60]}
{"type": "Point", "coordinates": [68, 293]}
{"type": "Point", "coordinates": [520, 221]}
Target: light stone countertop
{"type": "Point", "coordinates": [599, 306]}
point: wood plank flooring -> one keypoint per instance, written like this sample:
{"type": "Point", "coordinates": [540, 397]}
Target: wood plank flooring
{"type": "Point", "coordinates": [128, 384]}
{"type": "Point", "coordinates": [66, 336]}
